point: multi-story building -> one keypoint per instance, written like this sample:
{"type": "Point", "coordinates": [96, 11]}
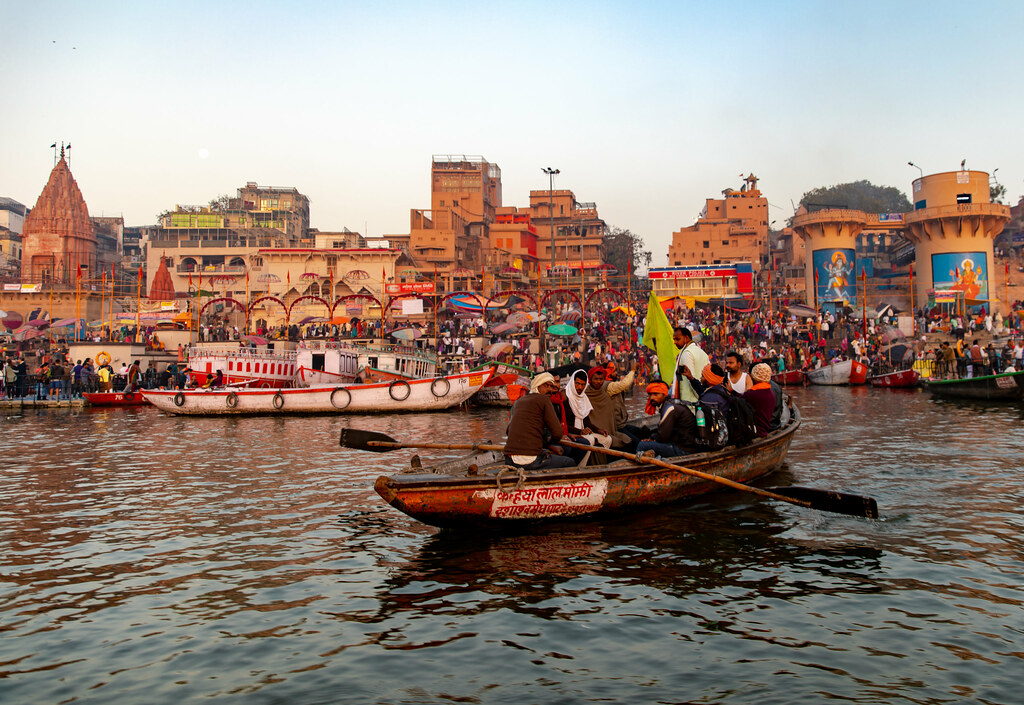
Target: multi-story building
{"type": "Point", "coordinates": [511, 251]}
{"type": "Point", "coordinates": [569, 235]}
{"type": "Point", "coordinates": [730, 229]}
{"type": "Point", "coordinates": [12, 218]}
{"type": "Point", "coordinates": [12, 215]}
{"type": "Point", "coordinates": [465, 192]}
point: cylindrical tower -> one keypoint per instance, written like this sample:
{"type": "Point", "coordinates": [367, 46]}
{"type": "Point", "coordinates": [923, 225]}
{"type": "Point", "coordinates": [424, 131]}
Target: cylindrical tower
{"type": "Point", "coordinates": [952, 227]}
{"type": "Point", "coordinates": [831, 239]}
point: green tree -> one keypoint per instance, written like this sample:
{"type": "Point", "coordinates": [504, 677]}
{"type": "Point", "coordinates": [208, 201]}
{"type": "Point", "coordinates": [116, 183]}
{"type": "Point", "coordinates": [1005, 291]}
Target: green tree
{"type": "Point", "coordinates": [622, 247]}
{"type": "Point", "coordinates": [221, 203]}
{"type": "Point", "coordinates": [858, 195]}
{"type": "Point", "coordinates": [997, 193]}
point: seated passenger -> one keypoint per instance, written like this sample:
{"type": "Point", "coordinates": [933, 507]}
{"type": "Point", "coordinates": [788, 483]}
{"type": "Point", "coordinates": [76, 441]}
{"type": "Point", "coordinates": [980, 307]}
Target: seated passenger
{"type": "Point", "coordinates": [676, 428]}
{"type": "Point", "coordinates": [761, 398]}
{"type": "Point", "coordinates": [532, 415]}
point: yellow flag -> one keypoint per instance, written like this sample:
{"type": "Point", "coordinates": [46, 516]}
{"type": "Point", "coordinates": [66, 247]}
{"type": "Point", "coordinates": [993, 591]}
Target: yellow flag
{"type": "Point", "coordinates": [658, 337]}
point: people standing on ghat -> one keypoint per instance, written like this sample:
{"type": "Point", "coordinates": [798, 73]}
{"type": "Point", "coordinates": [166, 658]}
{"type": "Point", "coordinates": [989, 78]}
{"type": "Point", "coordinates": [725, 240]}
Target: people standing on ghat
{"type": "Point", "coordinates": [133, 377]}
{"type": "Point", "coordinates": [677, 426]}
{"type": "Point", "coordinates": [10, 378]}
{"type": "Point", "coordinates": [761, 397]}
{"type": "Point", "coordinates": [76, 379]}
{"type": "Point", "coordinates": [689, 364]}
{"type": "Point", "coordinates": [56, 378]}
{"type": "Point", "coordinates": [532, 415]}
{"type": "Point", "coordinates": [105, 374]}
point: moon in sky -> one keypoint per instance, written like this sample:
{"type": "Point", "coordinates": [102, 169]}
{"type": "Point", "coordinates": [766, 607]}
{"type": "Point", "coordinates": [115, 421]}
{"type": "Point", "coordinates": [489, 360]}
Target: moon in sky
{"type": "Point", "coordinates": [204, 153]}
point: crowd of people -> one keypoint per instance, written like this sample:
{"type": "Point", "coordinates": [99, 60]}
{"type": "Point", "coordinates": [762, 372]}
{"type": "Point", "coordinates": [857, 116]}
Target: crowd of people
{"type": "Point", "coordinates": [56, 377]}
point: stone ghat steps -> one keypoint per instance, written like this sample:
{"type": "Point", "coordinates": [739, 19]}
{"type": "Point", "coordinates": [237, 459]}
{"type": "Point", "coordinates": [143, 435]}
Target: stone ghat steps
{"type": "Point", "coordinates": [42, 404]}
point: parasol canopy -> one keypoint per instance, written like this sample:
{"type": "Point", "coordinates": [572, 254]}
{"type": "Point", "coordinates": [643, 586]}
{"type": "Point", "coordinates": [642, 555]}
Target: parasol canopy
{"type": "Point", "coordinates": [339, 320]}
{"type": "Point", "coordinates": [255, 339]}
{"type": "Point", "coordinates": [268, 277]}
{"type": "Point", "coordinates": [223, 279]}
{"type": "Point", "coordinates": [3, 314]}
{"type": "Point", "coordinates": [65, 322]}
{"type": "Point", "coordinates": [27, 333]}
{"type": "Point", "coordinates": [802, 311]}
{"type": "Point", "coordinates": [498, 349]}
{"type": "Point", "coordinates": [572, 315]}
{"type": "Point", "coordinates": [38, 323]}
{"type": "Point", "coordinates": [311, 319]}
{"type": "Point", "coordinates": [561, 329]}
{"type": "Point", "coordinates": [406, 334]}
{"type": "Point", "coordinates": [519, 319]}
{"type": "Point", "coordinates": [628, 310]}
{"type": "Point", "coordinates": [356, 275]}
{"type": "Point", "coordinates": [607, 268]}
{"type": "Point", "coordinates": [889, 334]}
{"type": "Point", "coordinates": [559, 269]}
{"type": "Point", "coordinates": [462, 272]}
{"type": "Point", "coordinates": [503, 328]}
{"type": "Point", "coordinates": [309, 275]}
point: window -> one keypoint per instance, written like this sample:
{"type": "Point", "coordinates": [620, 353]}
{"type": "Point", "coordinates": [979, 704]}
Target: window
{"type": "Point", "coordinates": [707, 244]}
{"type": "Point", "coordinates": [963, 198]}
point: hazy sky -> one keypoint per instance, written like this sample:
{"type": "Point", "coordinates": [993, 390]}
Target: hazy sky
{"type": "Point", "coordinates": [646, 108]}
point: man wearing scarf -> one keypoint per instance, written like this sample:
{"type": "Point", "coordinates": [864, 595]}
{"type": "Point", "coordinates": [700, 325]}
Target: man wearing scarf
{"type": "Point", "coordinates": [761, 398]}
{"type": "Point", "coordinates": [714, 392]}
{"type": "Point", "coordinates": [578, 414]}
{"type": "Point", "coordinates": [532, 414]}
{"type": "Point", "coordinates": [603, 394]}
{"type": "Point", "coordinates": [676, 428]}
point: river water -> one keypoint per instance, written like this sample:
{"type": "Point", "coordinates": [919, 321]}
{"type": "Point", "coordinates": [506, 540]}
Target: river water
{"type": "Point", "coordinates": [155, 559]}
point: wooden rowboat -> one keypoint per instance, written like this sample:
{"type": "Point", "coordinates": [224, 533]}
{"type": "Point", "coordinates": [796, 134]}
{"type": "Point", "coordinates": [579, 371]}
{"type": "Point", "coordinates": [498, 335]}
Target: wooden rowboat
{"type": "Point", "coordinates": [1008, 386]}
{"type": "Point", "coordinates": [789, 378]}
{"type": "Point", "coordinates": [480, 490]}
{"type": "Point", "coordinates": [899, 379]}
{"type": "Point", "coordinates": [115, 398]}
{"type": "Point", "coordinates": [837, 373]}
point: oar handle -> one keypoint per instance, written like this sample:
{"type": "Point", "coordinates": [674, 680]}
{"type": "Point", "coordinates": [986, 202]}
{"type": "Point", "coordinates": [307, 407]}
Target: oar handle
{"type": "Point", "coordinates": [440, 446]}
{"type": "Point", "coordinates": [688, 471]}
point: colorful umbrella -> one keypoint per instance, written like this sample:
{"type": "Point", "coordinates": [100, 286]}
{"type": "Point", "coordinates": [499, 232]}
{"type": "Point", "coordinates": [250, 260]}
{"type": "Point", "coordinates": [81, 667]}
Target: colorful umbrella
{"type": "Point", "coordinates": [27, 333]}
{"type": "Point", "coordinates": [268, 277]}
{"type": "Point", "coordinates": [410, 273]}
{"type": "Point", "coordinates": [561, 329]}
{"type": "Point", "coordinates": [256, 339]}
{"type": "Point", "coordinates": [572, 315]}
{"type": "Point", "coordinates": [309, 275]}
{"type": "Point", "coordinates": [339, 320]}
{"type": "Point", "coordinates": [356, 275]}
{"type": "Point", "coordinates": [503, 328]}
{"type": "Point", "coordinates": [312, 319]}
{"type": "Point", "coordinates": [628, 310]}
{"type": "Point", "coordinates": [223, 279]}
{"type": "Point", "coordinates": [64, 323]}
{"type": "Point", "coordinates": [406, 334]}
{"type": "Point", "coordinates": [462, 272]}
{"type": "Point", "coordinates": [498, 349]}
{"type": "Point", "coordinates": [519, 319]}
{"type": "Point", "coordinates": [560, 269]}
{"type": "Point", "coordinates": [606, 268]}
{"type": "Point", "coordinates": [38, 323]}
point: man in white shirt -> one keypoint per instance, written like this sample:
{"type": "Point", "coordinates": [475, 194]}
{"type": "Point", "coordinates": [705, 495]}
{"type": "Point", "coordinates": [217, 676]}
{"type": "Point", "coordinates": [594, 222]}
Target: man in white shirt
{"type": "Point", "coordinates": [689, 364]}
{"type": "Point", "coordinates": [739, 381]}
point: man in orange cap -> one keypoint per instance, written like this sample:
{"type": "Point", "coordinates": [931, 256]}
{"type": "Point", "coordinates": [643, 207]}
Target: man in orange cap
{"type": "Point", "coordinates": [605, 396]}
{"type": "Point", "coordinates": [677, 426]}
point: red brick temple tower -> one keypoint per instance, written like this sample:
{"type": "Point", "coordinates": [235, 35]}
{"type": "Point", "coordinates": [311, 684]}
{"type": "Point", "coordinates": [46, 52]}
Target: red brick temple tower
{"type": "Point", "coordinates": [58, 236]}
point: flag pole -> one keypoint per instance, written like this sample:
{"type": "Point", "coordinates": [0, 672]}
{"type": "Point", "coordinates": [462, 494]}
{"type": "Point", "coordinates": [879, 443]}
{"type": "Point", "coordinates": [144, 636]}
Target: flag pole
{"type": "Point", "coordinates": [138, 308]}
{"type": "Point", "coordinates": [913, 315]}
{"type": "Point", "coordinates": [103, 297]}
{"type": "Point", "coordinates": [78, 301]}
{"type": "Point", "coordinates": [864, 303]}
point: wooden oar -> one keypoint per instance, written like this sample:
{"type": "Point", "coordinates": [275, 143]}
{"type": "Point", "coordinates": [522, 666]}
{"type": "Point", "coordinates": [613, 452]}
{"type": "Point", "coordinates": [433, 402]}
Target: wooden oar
{"type": "Point", "coordinates": [823, 500]}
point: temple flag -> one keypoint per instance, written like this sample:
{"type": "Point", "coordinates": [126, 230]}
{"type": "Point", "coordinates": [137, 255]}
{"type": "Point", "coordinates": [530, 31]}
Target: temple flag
{"type": "Point", "coordinates": [658, 337]}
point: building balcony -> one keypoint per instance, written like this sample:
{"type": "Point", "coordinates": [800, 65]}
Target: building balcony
{"type": "Point", "coordinates": [210, 271]}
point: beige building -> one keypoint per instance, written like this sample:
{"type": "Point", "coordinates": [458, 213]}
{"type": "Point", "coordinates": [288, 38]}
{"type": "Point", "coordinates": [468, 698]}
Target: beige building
{"type": "Point", "coordinates": [570, 233]}
{"type": "Point", "coordinates": [730, 229]}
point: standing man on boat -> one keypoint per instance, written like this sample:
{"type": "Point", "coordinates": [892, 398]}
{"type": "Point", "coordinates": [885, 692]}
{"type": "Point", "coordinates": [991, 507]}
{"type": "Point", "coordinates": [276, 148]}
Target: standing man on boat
{"type": "Point", "coordinates": [689, 364]}
{"type": "Point", "coordinates": [532, 414]}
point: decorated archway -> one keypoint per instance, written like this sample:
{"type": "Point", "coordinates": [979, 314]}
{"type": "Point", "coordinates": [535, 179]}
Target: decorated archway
{"type": "Point", "coordinates": [350, 297]}
{"type": "Point", "coordinates": [222, 299]}
{"type": "Point", "coordinates": [564, 292]}
{"type": "Point", "coordinates": [308, 297]}
{"type": "Point", "coordinates": [612, 292]}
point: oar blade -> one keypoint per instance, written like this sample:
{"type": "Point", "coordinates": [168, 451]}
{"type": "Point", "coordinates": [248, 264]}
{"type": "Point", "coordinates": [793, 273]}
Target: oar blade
{"type": "Point", "coordinates": [831, 501]}
{"type": "Point", "coordinates": [360, 440]}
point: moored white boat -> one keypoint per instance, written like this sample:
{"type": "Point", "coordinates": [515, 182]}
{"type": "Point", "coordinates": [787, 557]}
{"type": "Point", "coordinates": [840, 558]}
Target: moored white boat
{"type": "Point", "coordinates": [332, 362]}
{"type": "Point", "coordinates": [838, 373]}
{"type": "Point", "coordinates": [259, 367]}
{"type": "Point", "coordinates": [428, 394]}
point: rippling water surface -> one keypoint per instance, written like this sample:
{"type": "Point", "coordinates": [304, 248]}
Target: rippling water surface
{"type": "Point", "coordinates": [153, 559]}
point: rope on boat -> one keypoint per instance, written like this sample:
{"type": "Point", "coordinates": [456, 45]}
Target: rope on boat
{"type": "Point", "coordinates": [519, 483]}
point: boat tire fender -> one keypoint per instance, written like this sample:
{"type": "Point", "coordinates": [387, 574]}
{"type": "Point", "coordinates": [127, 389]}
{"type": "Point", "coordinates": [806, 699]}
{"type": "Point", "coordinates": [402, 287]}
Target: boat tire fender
{"type": "Point", "coordinates": [231, 400]}
{"type": "Point", "coordinates": [129, 396]}
{"type": "Point", "coordinates": [399, 396]}
{"type": "Point", "coordinates": [341, 402]}
{"type": "Point", "coordinates": [103, 358]}
{"type": "Point", "coordinates": [443, 383]}
{"type": "Point", "coordinates": [278, 400]}
{"type": "Point", "coordinates": [179, 399]}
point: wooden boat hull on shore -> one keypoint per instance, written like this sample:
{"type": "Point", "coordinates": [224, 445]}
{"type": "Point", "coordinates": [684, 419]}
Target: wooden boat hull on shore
{"type": "Point", "coordinates": [497, 496]}
{"type": "Point", "coordinates": [1008, 386]}
{"type": "Point", "coordinates": [839, 373]}
{"type": "Point", "coordinates": [431, 394]}
{"type": "Point", "coordinates": [789, 378]}
{"type": "Point", "coordinates": [114, 398]}
{"type": "Point", "coordinates": [900, 379]}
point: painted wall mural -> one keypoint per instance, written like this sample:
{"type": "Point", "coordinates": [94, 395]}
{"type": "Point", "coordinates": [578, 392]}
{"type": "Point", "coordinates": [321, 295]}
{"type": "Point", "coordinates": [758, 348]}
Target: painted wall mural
{"type": "Point", "coordinates": [834, 276]}
{"type": "Point", "coordinates": [961, 271]}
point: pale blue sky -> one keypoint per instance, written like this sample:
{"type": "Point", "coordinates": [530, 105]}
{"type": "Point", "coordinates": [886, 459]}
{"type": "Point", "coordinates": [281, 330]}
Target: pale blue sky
{"type": "Point", "coordinates": [646, 108]}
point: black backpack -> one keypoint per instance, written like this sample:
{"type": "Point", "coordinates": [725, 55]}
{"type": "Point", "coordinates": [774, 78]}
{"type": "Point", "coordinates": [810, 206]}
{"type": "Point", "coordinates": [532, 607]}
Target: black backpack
{"type": "Point", "coordinates": [714, 435]}
{"type": "Point", "coordinates": [741, 421]}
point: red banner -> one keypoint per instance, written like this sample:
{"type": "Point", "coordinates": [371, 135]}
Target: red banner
{"type": "Point", "coordinates": [410, 288]}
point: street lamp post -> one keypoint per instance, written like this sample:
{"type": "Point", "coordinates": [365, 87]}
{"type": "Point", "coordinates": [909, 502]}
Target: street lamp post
{"type": "Point", "coordinates": [916, 167]}
{"type": "Point", "coordinates": [551, 211]}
